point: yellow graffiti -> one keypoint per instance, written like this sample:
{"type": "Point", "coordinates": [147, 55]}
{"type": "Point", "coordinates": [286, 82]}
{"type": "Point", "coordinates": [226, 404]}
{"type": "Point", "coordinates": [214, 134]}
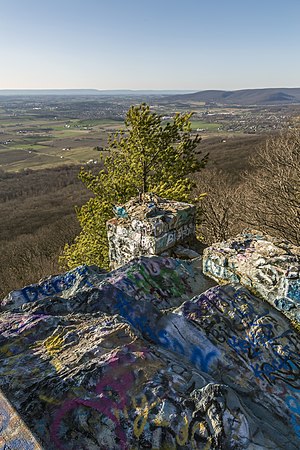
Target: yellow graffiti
{"type": "Point", "coordinates": [49, 400]}
{"type": "Point", "coordinates": [143, 416]}
{"type": "Point", "coordinates": [125, 412]}
{"type": "Point", "coordinates": [143, 410]}
{"type": "Point", "coordinates": [183, 436]}
{"type": "Point", "coordinates": [54, 344]}
{"type": "Point", "coordinates": [57, 364]}
{"type": "Point", "coordinates": [202, 429]}
{"type": "Point", "coordinates": [208, 444]}
{"type": "Point", "coordinates": [160, 422]}
{"type": "Point", "coordinates": [116, 414]}
{"type": "Point", "coordinates": [245, 308]}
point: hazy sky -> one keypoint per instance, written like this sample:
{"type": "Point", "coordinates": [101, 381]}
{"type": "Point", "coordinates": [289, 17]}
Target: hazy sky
{"type": "Point", "coordinates": [149, 44]}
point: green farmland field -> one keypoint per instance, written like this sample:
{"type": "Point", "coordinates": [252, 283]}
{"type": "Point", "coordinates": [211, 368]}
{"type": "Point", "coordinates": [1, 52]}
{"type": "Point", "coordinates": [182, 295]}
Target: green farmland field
{"type": "Point", "coordinates": [204, 125]}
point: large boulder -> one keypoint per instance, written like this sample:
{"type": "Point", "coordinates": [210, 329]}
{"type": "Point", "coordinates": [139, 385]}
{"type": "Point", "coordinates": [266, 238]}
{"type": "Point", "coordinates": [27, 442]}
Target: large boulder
{"type": "Point", "coordinates": [116, 361]}
{"type": "Point", "coordinates": [165, 282]}
{"type": "Point", "coordinates": [267, 266]}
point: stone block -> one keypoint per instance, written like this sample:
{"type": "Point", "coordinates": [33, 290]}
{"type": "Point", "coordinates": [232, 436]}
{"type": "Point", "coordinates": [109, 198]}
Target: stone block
{"type": "Point", "coordinates": [267, 266]}
{"type": "Point", "coordinates": [148, 228]}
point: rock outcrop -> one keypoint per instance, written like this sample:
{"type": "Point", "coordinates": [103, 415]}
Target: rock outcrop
{"type": "Point", "coordinates": [267, 266]}
{"type": "Point", "coordinates": [152, 355]}
{"type": "Point", "coordinates": [151, 227]}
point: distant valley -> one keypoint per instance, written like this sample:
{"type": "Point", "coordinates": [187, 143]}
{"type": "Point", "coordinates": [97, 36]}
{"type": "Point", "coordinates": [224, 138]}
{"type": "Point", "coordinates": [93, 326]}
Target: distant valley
{"type": "Point", "coordinates": [46, 139]}
{"type": "Point", "coordinates": [242, 97]}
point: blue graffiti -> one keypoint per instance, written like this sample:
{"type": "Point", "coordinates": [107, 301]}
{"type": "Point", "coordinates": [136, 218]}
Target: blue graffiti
{"type": "Point", "coordinates": [199, 359]}
{"type": "Point", "coordinates": [294, 406]}
{"type": "Point", "coordinates": [294, 290]}
{"type": "Point", "coordinates": [244, 346]}
{"type": "Point", "coordinates": [124, 307]}
{"type": "Point", "coordinates": [54, 286]}
{"type": "Point", "coordinates": [161, 337]}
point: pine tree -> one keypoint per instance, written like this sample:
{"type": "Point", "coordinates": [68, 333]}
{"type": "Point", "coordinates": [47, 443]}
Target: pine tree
{"type": "Point", "coordinates": [148, 156]}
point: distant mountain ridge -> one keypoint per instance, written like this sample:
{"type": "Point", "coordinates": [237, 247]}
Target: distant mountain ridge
{"type": "Point", "coordinates": [245, 97]}
{"type": "Point", "coordinates": [242, 97]}
{"type": "Point", "coordinates": [98, 92]}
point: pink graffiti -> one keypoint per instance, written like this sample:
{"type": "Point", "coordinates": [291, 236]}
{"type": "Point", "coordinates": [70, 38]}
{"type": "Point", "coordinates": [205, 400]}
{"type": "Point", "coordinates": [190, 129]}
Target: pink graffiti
{"type": "Point", "coordinates": [117, 379]}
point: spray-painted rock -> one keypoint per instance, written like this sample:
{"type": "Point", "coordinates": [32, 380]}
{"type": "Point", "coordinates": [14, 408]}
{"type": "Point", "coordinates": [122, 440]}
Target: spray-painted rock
{"type": "Point", "coordinates": [166, 282]}
{"type": "Point", "coordinates": [268, 267]}
{"type": "Point", "coordinates": [53, 286]}
{"type": "Point", "coordinates": [14, 434]}
{"type": "Point", "coordinates": [259, 355]}
{"type": "Point", "coordinates": [102, 365]}
{"type": "Point", "coordinates": [148, 228]}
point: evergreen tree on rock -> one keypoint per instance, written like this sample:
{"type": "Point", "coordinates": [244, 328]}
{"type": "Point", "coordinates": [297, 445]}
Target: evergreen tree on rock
{"type": "Point", "coordinates": [150, 155]}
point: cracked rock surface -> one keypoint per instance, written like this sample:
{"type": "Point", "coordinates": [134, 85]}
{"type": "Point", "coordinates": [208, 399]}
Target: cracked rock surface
{"type": "Point", "coordinates": [149, 356]}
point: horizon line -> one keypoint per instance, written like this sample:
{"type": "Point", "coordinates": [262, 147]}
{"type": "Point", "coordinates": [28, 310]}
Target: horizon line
{"type": "Point", "coordinates": [141, 90]}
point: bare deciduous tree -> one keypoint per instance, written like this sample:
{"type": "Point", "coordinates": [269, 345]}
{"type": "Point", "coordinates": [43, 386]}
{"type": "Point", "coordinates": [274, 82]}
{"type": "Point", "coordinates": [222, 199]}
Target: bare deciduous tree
{"type": "Point", "coordinates": [271, 192]}
{"type": "Point", "coordinates": [267, 197]}
{"type": "Point", "coordinates": [219, 218]}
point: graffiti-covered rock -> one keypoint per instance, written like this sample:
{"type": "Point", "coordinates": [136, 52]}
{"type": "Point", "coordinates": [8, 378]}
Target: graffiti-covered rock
{"type": "Point", "coordinates": [151, 355]}
{"type": "Point", "coordinates": [267, 266]}
{"type": "Point", "coordinates": [14, 433]}
{"type": "Point", "coordinates": [150, 227]}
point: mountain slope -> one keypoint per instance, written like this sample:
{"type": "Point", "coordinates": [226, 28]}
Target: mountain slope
{"type": "Point", "coordinates": [244, 97]}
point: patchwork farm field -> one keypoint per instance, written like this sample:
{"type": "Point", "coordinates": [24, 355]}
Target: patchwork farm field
{"type": "Point", "coordinates": [45, 143]}
{"type": "Point", "coordinates": [42, 132]}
